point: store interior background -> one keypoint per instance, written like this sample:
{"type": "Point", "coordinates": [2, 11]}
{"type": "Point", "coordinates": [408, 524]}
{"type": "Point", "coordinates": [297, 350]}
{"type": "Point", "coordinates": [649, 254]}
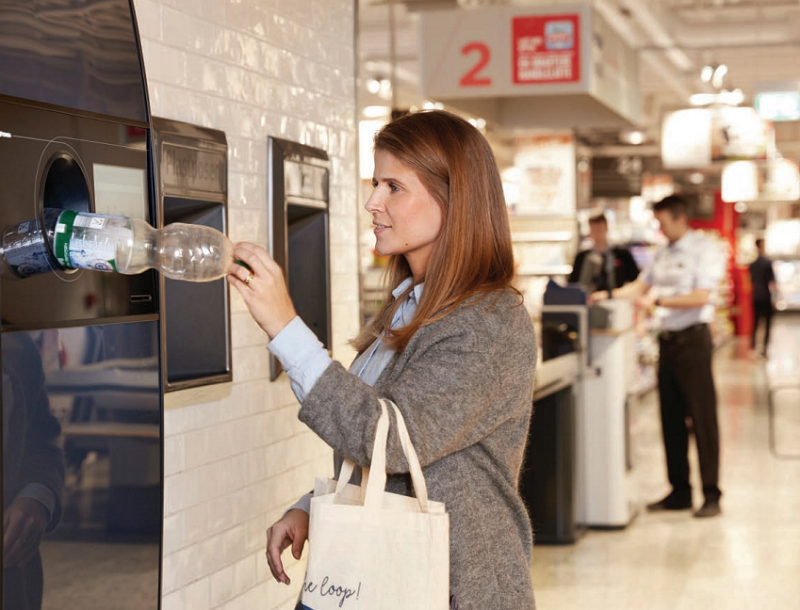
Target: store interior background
{"type": "Point", "coordinates": [755, 42]}
{"type": "Point", "coordinates": [690, 54]}
{"type": "Point", "coordinates": [327, 73]}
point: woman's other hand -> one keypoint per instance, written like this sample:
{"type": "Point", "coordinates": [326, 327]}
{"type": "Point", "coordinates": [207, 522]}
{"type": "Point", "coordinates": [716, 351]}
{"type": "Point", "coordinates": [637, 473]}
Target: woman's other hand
{"type": "Point", "coordinates": [291, 529]}
{"type": "Point", "coordinates": [263, 288]}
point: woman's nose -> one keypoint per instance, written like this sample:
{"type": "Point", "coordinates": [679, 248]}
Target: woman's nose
{"type": "Point", "coordinates": [373, 203]}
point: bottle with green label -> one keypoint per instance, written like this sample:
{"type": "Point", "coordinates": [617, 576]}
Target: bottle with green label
{"type": "Point", "coordinates": [179, 251]}
{"type": "Point", "coordinates": [24, 247]}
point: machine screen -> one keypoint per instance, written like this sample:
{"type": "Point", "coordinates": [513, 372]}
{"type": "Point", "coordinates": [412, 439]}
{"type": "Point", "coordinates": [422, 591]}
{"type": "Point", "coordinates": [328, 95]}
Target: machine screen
{"type": "Point", "coordinates": [120, 191]}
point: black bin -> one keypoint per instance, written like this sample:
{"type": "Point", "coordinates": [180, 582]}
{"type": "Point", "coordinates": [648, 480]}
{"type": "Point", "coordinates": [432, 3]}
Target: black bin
{"type": "Point", "coordinates": [548, 481]}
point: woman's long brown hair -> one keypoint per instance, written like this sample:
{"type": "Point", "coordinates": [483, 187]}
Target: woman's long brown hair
{"type": "Point", "coordinates": [473, 253]}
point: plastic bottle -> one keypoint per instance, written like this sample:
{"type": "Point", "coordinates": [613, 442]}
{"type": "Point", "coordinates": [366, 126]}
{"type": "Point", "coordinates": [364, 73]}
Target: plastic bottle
{"type": "Point", "coordinates": [24, 247]}
{"type": "Point", "coordinates": [129, 245]}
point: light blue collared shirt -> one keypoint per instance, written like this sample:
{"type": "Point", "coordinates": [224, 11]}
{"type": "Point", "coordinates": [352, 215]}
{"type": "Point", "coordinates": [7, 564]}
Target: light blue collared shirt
{"type": "Point", "coordinates": [694, 261]}
{"type": "Point", "coordinates": [305, 359]}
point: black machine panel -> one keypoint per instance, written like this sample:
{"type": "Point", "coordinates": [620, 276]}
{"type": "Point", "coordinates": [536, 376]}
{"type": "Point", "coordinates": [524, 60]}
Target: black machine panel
{"type": "Point", "coordinates": [81, 383]}
{"type": "Point", "coordinates": [80, 54]}
{"type": "Point", "coordinates": [59, 161]}
{"type": "Point", "coordinates": [82, 450]}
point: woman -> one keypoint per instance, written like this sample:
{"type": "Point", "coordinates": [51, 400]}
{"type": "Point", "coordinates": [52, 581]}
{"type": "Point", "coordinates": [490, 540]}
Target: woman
{"type": "Point", "coordinates": [452, 347]}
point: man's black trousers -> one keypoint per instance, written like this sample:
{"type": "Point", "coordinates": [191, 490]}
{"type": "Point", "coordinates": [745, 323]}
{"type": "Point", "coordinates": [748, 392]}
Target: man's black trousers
{"type": "Point", "coordinates": [686, 388]}
{"type": "Point", "coordinates": [761, 311]}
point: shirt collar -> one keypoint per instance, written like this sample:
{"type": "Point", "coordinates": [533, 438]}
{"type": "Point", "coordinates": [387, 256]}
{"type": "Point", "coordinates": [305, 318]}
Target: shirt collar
{"type": "Point", "coordinates": [416, 294]}
{"type": "Point", "coordinates": [684, 241]}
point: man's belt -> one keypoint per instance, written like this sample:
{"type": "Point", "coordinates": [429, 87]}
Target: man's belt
{"type": "Point", "coordinates": [671, 335]}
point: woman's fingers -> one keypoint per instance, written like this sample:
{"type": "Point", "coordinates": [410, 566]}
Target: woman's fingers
{"type": "Point", "coordinates": [292, 530]}
{"type": "Point", "coordinates": [258, 268]}
{"type": "Point", "coordinates": [298, 542]}
{"type": "Point", "coordinates": [276, 542]}
{"type": "Point", "coordinates": [263, 288]}
{"type": "Point", "coordinates": [257, 258]}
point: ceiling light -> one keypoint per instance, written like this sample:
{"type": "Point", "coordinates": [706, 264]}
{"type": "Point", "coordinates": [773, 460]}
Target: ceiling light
{"type": "Point", "coordinates": [719, 75]}
{"type": "Point", "coordinates": [375, 112]}
{"type": "Point", "coordinates": [385, 89]}
{"type": "Point", "coordinates": [731, 98]}
{"type": "Point", "coordinates": [373, 86]}
{"type": "Point", "coordinates": [633, 136]}
{"type": "Point", "coordinates": [740, 207]}
{"type": "Point", "coordinates": [706, 73]}
{"type": "Point", "coordinates": [702, 99]}
{"type": "Point", "coordinates": [724, 97]}
{"type": "Point", "coordinates": [696, 178]}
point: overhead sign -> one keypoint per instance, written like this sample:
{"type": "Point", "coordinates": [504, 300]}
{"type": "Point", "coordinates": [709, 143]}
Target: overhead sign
{"type": "Point", "coordinates": [502, 51]}
{"type": "Point", "coordinates": [686, 139]}
{"type": "Point", "coordinates": [546, 49]}
{"type": "Point", "coordinates": [619, 176]}
{"type": "Point", "coordinates": [772, 180]}
{"type": "Point", "coordinates": [696, 137]}
{"type": "Point", "coordinates": [739, 133]}
{"type": "Point", "coordinates": [547, 181]}
{"type": "Point", "coordinates": [494, 62]}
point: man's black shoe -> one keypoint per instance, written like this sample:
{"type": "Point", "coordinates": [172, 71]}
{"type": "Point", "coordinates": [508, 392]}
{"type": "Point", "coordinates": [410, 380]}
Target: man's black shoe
{"type": "Point", "coordinates": [710, 508]}
{"type": "Point", "coordinates": [672, 502]}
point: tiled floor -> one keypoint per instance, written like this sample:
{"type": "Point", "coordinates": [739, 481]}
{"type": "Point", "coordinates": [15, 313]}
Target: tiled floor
{"type": "Point", "coordinates": [749, 557]}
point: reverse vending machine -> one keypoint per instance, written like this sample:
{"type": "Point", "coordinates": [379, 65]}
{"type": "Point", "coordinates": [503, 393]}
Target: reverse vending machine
{"type": "Point", "coordinates": [81, 388]}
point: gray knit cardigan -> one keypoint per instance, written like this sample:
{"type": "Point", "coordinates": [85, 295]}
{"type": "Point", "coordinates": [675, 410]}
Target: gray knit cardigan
{"type": "Point", "coordinates": [464, 385]}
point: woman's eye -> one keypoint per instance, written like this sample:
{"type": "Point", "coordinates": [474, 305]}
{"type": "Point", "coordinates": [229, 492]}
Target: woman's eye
{"type": "Point", "coordinates": [394, 188]}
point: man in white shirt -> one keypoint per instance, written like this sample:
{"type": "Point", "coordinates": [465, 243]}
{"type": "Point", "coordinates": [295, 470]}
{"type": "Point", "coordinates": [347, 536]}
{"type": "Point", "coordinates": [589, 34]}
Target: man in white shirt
{"type": "Point", "coordinates": [682, 283]}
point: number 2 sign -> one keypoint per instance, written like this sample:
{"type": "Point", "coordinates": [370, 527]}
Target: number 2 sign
{"type": "Point", "coordinates": [544, 49]}
{"type": "Point", "coordinates": [471, 78]}
{"type": "Point", "coordinates": [500, 52]}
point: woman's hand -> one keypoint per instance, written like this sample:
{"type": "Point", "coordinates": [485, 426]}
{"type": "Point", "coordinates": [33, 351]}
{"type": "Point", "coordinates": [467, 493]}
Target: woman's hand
{"type": "Point", "coordinates": [291, 529]}
{"type": "Point", "coordinates": [24, 523]}
{"type": "Point", "coordinates": [265, 292]}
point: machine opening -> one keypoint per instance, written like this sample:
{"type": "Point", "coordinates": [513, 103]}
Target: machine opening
{"type": "Point", "coordinates": [65, 186]}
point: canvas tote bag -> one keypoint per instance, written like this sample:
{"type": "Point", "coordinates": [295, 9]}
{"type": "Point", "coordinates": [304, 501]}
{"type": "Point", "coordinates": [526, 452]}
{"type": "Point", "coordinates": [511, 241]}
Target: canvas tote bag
{"type": "Point", "coordinates": [374, 550]}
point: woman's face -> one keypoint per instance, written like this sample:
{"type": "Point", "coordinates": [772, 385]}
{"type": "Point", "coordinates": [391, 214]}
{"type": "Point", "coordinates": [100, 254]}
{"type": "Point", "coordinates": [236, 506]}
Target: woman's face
{"type": "Point", "coordinates": [407, 219]}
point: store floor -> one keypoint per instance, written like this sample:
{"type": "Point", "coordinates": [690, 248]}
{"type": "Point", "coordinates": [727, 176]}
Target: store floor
{"type": "Point", "coordinates": [749, 557]}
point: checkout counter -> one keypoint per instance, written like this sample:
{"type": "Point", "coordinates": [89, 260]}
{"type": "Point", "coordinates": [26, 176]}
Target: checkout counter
{"type": "Point", "coordinates": [577, 464]}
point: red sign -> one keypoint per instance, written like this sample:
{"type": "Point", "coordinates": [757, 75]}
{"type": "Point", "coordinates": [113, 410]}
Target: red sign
{"type": "Point", "coordinates": [546, 49]}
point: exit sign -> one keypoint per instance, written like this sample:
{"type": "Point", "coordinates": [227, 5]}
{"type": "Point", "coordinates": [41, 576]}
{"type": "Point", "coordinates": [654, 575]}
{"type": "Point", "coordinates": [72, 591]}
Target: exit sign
{"type": "Point", "coordinates": [778, 105]}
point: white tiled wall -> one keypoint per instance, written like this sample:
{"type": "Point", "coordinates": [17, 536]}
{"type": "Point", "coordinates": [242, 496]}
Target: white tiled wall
{"type": "Point", "coordinates": [236, 456]}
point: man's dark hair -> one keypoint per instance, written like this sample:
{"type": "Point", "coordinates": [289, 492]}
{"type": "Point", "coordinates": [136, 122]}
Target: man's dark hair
{"type": "Point", "coordinates": [598, 218]}
{"type": "Point", "coordinates": [675, 204]}
{"type": "Point", "coordinates": [760, 243]}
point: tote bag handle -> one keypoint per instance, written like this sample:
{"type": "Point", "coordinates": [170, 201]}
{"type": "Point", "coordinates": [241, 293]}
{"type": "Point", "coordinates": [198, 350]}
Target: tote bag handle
{"type": "Point", "coordinates": [376, 485]}
{"type": "Point", "coordinates": [346, 471]}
